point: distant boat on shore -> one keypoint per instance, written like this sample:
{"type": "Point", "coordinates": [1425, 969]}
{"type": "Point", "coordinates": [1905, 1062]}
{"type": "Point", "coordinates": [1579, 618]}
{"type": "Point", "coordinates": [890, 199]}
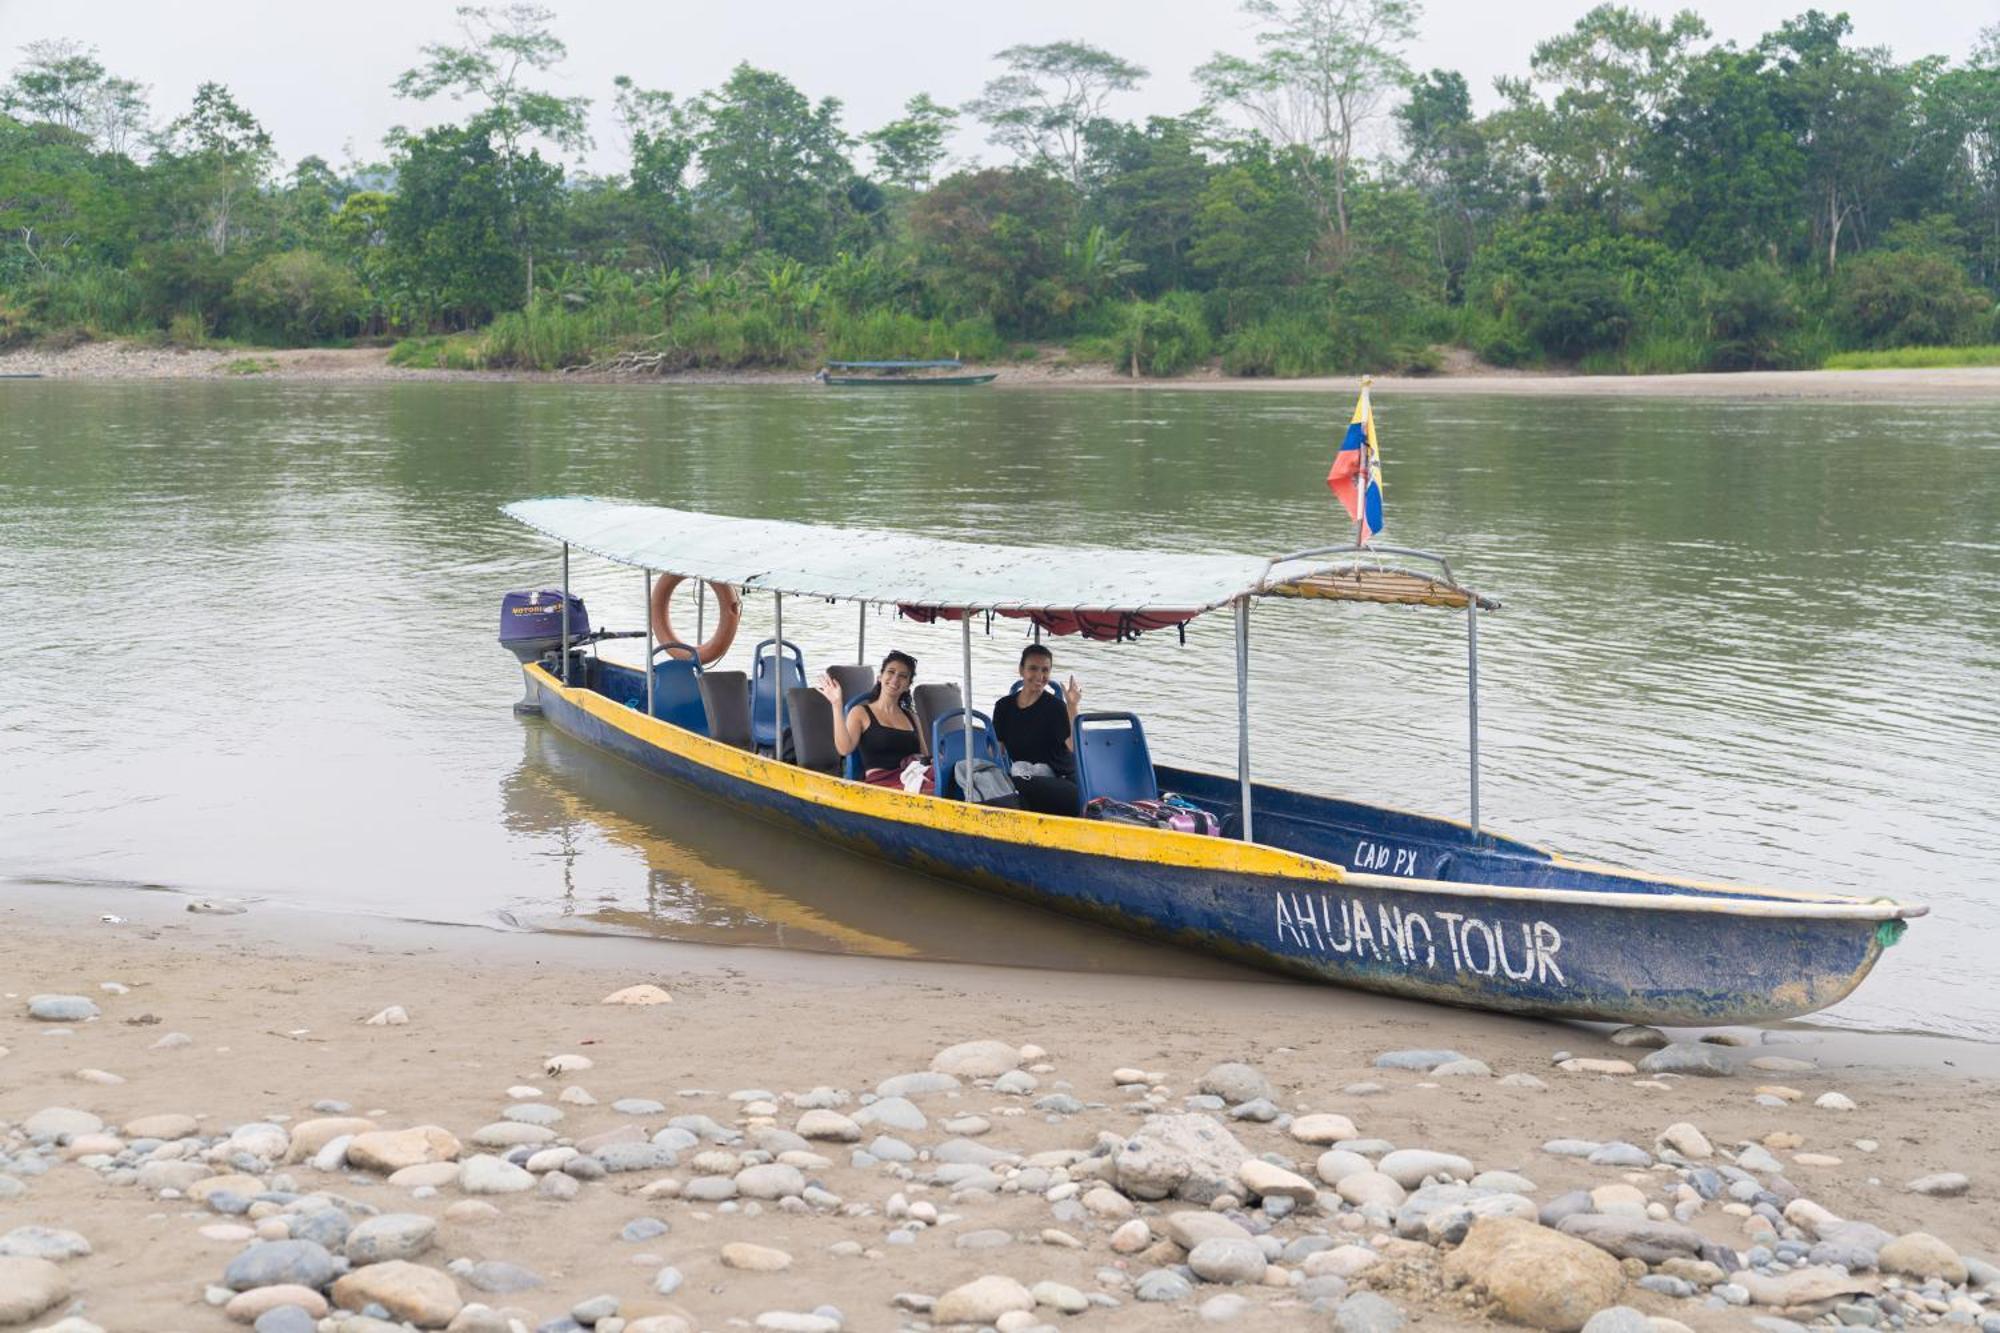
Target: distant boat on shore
{"type": "Point", "coordinates": [897, 375]}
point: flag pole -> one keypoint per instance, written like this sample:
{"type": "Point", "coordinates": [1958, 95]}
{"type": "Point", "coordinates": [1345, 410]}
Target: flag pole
{"type": "Point", "coordinates": [1361, 481]}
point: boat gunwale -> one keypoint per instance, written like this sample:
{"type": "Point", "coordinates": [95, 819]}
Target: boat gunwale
{"type": "Point", "coordinates": [1198, 851]}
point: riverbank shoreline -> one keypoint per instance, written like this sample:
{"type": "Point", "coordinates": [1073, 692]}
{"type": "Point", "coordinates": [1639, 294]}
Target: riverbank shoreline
{"type": "Point", "coordinates": [270, 1007]}
{"type": "Point", "coordinates": [132, 362]}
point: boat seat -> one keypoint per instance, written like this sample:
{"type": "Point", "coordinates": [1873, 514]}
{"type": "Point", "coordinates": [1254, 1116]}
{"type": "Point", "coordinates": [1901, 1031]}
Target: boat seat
{"type": "Point", "coordinates": [855, 681]}
{"type": "Point", "coordinates": [1054, 689]}
{"type": "Point", "coordinates": [677, 696]}
{"type": "Point", "coordinates": [1112, 758]}
{"type": "Point", "coordinates": [949, 744]}
{"type": "Point", "coordinates": [725, 698]}
{"type": "Point", "coordinates": [809, 718]}
{"type": "Point", "coordinates": [774, 666]}
{"type": "Point", "coordinates": [930, 702]}
{"type": "Point", "coordinates": [850, 768]}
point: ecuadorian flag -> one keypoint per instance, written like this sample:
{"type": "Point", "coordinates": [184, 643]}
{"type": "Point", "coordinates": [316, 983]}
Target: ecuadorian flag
{"type": "Point", "coordinates": [1356, 475]}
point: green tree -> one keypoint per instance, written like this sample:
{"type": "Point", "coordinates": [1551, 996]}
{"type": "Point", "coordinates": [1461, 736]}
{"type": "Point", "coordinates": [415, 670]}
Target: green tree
{"type": "Point", "coordinates": [452, 228]}
{"type": "Point", "coordinates": [1610, 74]}
{"type": "Point", "coordinates": [1751, 316]}
{"type": "Point", "coordinates": [1049, 96]}
{"type": "Point", "coordinates": [210, 166]}
{"type": "Point", "coordinates": [1913, 292]}
{"type": "Point", "coordinates": [1847, 112]}
{"type": "Point", "coordinates": [1449, 158]}
{"type": "Point", "coordinates": [300, 295]}
{"type": "Point", "coordinates": [1254, 232]}
{"type": "Point", "coordinates": [504, 46]}
{"type": "Point", "coordinates": [995, 240]}
{"type": "Point", "coordinates": [1325, 69]}
{"type": "Point", "coordinates": [1143, 184]}
{"type": "Point", "coordinates": [58, 204]}
{"type": "Point", "coordinates": [61, 82]}
{"type": "Point", "coordinates": [660, 138]}
{"type": "Point", "coordinates": [908, 149]}
{"type": "Point", "coordinates": [1727, 169]}
{"type": "Point", "coordinates": [775, 163]}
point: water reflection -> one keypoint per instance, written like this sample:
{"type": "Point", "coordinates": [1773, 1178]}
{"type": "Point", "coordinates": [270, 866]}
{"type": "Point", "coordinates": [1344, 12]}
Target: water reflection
{"type": "Point", "coordinates": [638, 854]}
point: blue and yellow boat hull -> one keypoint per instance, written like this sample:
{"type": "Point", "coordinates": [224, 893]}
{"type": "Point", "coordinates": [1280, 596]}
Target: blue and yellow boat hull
{"type": "Point", "coordinates": [1334, 891]}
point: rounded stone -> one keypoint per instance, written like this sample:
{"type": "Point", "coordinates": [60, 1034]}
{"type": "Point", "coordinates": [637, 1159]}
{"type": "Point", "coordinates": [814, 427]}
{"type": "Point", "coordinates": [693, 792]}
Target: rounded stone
{"type": "Point", "coordinates": [977, 1059]}
{"type": "Point", "coordinates": [982, 1301]}
{"type": "Point", "coordinates": [377, 1240]}
{"type": "Point", "coordinates": [28, 1287]}
{"type": "Point", "coordinates": [247, 1307]}
{"type": "Point", "coordinates": [755, 1258]}
{"type": "Point", "coordinates": [1227, 1260]}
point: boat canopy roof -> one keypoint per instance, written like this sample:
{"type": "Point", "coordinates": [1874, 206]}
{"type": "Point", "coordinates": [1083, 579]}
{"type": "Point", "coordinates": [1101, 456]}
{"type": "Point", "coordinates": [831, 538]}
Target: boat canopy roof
{"type": "Point", "coordinates": [1099, 592]}
{"type": "Point", "coordinates": [894, 365]}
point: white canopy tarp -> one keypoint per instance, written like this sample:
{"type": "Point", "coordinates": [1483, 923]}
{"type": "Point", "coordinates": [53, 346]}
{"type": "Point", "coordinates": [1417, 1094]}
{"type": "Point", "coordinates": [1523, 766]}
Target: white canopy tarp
{"type": "Point", "coordinates": [873, 565]}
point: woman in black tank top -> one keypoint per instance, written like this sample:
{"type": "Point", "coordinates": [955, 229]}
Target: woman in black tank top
{"type": "Point", "coordinates": [880, 725]}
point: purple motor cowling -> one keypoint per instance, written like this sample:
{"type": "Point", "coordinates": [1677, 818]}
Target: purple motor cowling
{"type": "Point", "coordinates": [531, 622]}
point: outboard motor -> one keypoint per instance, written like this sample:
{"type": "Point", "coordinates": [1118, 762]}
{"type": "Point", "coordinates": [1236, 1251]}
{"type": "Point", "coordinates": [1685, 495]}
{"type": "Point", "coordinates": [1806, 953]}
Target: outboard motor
{"type": "Point", "coordinates": [531, 628]}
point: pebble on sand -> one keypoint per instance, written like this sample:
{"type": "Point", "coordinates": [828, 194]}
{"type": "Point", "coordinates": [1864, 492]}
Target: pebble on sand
{"type": "Point", "coordinates": [394, 1016]}
{"type": "Point", "coordinates": [61, 1008]}
{"type": "Point", "coordinates": [643, 994]}
{"type": "Point", "coordinates": [1536, 1276]}
{"type": "Point", "coordinates": [976, 1059]}
{"type": "Point", "coordinates": [388, 1151]}
{"type": "Point", "coordinates": [28, 1287]}
{"type": "Point", "coordinates": [982, 1301]}
{"type": "Point", "coordinates": [756, 1258]}
{"type": "Point", "coordinates": [422, 1296]}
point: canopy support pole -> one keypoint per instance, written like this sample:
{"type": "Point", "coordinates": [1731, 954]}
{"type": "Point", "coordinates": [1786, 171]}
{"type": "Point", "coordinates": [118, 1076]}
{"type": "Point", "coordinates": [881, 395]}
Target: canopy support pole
{"type": "Point", "coordinates": [778, 681]}
{"type": "Point", "coordinates": [700, 609]}
{"type": "Point", "coordinates": [965, 655]}
{"type": "Point", "coordinates": [565, 614]}
{"type": "Point", "coordinates": [649, 644]}
{"type": "Point", "coordinates": [1472, 699]}
{"type": "Point", "coordinates": [1243, 712]}
{"type": "Point", "coordinates": [861, 638]}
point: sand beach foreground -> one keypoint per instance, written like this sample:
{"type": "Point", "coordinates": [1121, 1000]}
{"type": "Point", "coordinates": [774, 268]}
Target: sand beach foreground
{"type": "Point", "coordinates": [1461, 375]}
{"type": "Point", "coordinates": [207, 1130]}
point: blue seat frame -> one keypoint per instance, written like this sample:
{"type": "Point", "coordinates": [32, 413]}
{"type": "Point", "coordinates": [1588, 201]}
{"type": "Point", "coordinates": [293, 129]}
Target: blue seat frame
{"type": "Point", "coordinates": [774, 667]}
{"type": "Point", "coordinates": [949, 744]}
{"type": "Point", "coordinates": [1112, 758]}
{"type": "Point", "coordinates": [677, 695]}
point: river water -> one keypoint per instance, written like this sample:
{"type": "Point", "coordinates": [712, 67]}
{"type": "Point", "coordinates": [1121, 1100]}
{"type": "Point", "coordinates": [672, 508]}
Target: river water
{"type": "Point", "coordinates": [250, 644]}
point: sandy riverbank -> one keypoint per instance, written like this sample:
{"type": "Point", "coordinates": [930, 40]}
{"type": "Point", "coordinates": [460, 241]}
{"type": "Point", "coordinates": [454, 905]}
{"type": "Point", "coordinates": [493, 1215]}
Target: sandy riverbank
{"type": "Point", "coordinates": [271, 1006]}
{"type": "Point", "coordinates": [124, 361]}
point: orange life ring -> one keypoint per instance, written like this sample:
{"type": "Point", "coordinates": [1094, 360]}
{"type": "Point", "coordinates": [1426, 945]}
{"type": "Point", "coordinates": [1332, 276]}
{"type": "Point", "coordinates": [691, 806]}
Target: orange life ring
{"type": "Point", "coordinates": [729, 613]}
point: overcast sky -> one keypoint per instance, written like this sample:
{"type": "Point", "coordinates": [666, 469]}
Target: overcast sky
{"type": "Point", "coordinates": [318, 74]}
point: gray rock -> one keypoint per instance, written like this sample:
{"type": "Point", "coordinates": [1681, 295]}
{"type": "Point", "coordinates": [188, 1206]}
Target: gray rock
{"type": "Point", "coordinates": [273, 1263]}
{"type": "Point", "coordinates": [1409, 1166]}
{"type": "Point", "coordinates": [1686, 1057]}
{"type": "Point", "coordinates": [597, 1308]}
{"type": "Point", "coordinates": [1571, 1147]}
{"type": "Point", "coordinates": [322, 1226]}
{"type": "Point", "coordinates": [1667, 1285]}
{"type": "Point", "coordinates": [643, 1229]}
{"type": "Point", "coordinates": [60, 1123]}
{"type": "Point", "coordinates": [1565, 1205]}
{"type": "Point", "coordinates": [1059, 1103]}
{"type": "Point", "coordinates": [1639, 1036]}
{"type": "Point", "coordinates": [1221, 1309]}
{"type": "Point", "coordinates": [990, 1238]}
{"type": "Point", "coordinates": [706, 1129]}
{"type": "Point", "coordinates": [668, 1281]}
{"type": "Point", "coordinates": [1236, 1083]}
{"type": "Point", "coordinates": [1618, 1319]}
{"type": "Point", "coordinates": [1260, 1110]}
{"type": "Point", "coordinates": [1772, 1324]}
{"type": "Point", "coordinates": [61, 1008]}
{"type": "Point", "coordinates": [1228, 1260]}
{"type": "Point", "coordinates": [1854, 1258]}
{"type": "Point", "coordinates": [285, 1319]}
{"type": "Point", "coordinates": [1621, 1155]}
{"type": "Point", "coordinates": [559, 1186]}
{"type": "Point", "coordinates": [1365, 1312]}
{"type": "Point", "coordinates": [1634, 1238]}
{"type": "Point", "coordinates": [625, 1157]}
{"type": "Point", "coordinates": [1421, 1061]}
{"type": "Point", "coordinates": [770, 1180]}
{"type": "Point", "coordinates": [1857, 1316]}
{"type": "Point", "coordinates": [390, 1236]}
{"type": "Point", "coordinates": [638, 1106]}
{"type": "Point", "coordinates": [886, 1149]}
{"type": "Point", "coordinates": [1942, 1185]}
{"type": "Point", "coordinates": [1163, 1285]}
{"type": "Point", "coordinates": [533, 1113]}
{"type": "Point", "coordinates": [892, 1113]}
{"type": "Point", "coordinates": [1190, 1157]}
{"type": "Point", "coordinates": [1979, 1272]}
{"type": "Point", "coordinates": [43, 1243]}
{"type": "Point", "coordinates": [1757, 1158]}
{"type": "Point", "coordinates": [497, 1277]}
{"type": "Point", "coordinates": [921, 1084]}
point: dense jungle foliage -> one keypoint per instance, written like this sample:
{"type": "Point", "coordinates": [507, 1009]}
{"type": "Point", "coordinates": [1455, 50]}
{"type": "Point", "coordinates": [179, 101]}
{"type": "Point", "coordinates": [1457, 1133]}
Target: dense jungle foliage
{"type": "Point", "coordinates": [1641, 198]}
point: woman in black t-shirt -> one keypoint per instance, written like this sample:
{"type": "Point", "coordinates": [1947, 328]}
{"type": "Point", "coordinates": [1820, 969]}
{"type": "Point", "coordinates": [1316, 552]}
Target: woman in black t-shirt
{"type": "Point", "coordinates": [1038, 728]}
